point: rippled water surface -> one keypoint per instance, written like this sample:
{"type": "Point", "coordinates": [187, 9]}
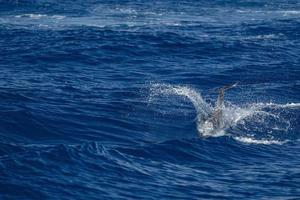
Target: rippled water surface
{"type": "Point", "coordinates": [106, 99]}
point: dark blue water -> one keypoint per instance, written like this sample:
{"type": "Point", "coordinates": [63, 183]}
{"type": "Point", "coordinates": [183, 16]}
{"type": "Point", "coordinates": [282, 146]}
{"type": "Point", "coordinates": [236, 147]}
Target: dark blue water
{"type": "Point", "coordinates": [104, 99]}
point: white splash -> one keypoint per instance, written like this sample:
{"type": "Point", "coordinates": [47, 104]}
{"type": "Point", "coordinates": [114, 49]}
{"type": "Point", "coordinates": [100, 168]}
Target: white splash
{"type": "Point", "coordinates": [233, 116]}
{"type": "Point", "coordinates": [273, 105]}
{"type": "Point", "coordinates": [202, 108]}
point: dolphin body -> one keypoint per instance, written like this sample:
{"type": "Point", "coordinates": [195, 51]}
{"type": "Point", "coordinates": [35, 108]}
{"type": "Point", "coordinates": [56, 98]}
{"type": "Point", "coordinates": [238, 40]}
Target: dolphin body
{"type": "Point", "coordinates": [214, 122]}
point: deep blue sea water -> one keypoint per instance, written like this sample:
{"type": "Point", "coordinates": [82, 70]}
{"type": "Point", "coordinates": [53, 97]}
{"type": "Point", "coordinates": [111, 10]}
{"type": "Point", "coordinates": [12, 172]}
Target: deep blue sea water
{"type": "Point", "coordinates": [104, 99]}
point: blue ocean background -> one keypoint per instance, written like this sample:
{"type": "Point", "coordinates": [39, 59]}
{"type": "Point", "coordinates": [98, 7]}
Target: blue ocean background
{"type": "Point", "coordinates": [102, 99]}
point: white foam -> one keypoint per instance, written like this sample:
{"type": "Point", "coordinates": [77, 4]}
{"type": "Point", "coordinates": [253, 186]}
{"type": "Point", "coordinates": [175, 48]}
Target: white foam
{"type": "Point", "coordinates": [126, 11]}
{"type": "Point", "coordinates": [263, 37]}
{"type": "Point", "coordinates": [249, 140]}
{"type": "Point", "coordinates": [32, 16]}
{"type": "Point", "coordinates": [288, 105]}
{"type": "Point", "coordinates": [39, 16]}
{"type": "Point", "coordinates": [291, 12]}
{"type": "Point", "coordinates": [284, 12]}
{"type": "Point", "coordinates": [58, 16]}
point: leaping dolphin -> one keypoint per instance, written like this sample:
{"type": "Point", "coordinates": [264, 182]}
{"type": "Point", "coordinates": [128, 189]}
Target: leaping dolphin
{"type": "Point", "coordinates": [214, 123]}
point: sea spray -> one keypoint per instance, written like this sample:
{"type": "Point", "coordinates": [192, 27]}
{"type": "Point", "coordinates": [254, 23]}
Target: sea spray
{"type": "Point", "coordinates": [257, 122]}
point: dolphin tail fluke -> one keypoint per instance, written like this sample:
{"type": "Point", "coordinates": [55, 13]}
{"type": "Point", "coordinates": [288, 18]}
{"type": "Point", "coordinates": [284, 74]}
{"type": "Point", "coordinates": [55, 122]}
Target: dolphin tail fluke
{"type": "Point", "coordinates": [220, 100]}
{"type": "Point", "coordinates": [226, 87]}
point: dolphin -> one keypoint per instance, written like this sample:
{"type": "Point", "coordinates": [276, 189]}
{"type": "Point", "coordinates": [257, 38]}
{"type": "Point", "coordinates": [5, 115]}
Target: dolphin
{"type": "Point", "coordinates": [214, 122]}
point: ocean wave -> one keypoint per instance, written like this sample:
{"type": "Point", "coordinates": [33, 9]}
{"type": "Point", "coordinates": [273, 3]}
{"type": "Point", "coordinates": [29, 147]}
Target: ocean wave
{"type": "Point", "coordinates": [79, 117]}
